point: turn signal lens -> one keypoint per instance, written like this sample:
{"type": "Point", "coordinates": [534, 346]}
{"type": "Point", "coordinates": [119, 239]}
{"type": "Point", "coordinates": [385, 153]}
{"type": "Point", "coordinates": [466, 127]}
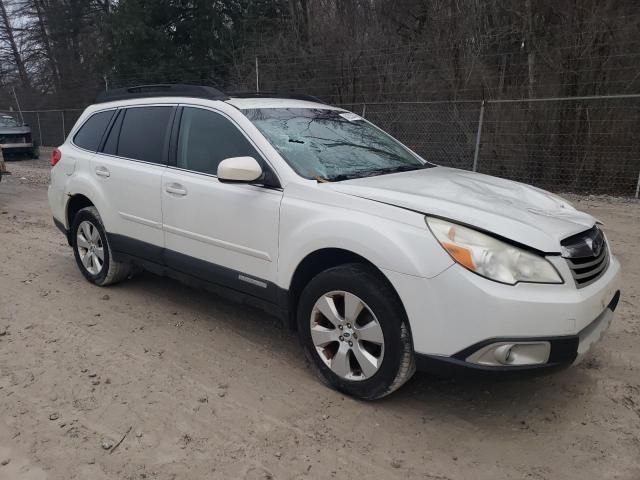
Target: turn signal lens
{"type": "Point", "coordinates": [55, 157]}
{"type": "Point", "coordinates": [460, 254]}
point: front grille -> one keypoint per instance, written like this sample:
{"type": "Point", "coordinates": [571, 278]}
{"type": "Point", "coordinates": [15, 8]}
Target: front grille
{"type": "Point", "coordinates": [587, 255]}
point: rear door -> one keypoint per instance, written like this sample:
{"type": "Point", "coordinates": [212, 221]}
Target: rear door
{"type": "Point", "coordinates": [129, 170]}
{"type": "Point", "coordinates": [225, 233]}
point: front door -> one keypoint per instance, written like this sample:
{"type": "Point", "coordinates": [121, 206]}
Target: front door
{"type": "Point", "coordinates": [225, 233]}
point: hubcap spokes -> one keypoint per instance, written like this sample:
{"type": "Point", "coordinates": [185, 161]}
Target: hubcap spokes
{"type": "Point", "coordinates": [347, 335]}
{"type": "Point", "coordinates": [90, 247]}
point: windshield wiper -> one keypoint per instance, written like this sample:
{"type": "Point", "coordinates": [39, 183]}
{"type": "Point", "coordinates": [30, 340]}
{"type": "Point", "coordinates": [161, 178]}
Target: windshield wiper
{"type": "Point", "coordinates": [384, 171]}
{"type": "Point", "coordinates": [372, 173]}
{"type": "Point", "coordinates": [336, 178]}
{"type": "Point", "coordinates": [405, 168]}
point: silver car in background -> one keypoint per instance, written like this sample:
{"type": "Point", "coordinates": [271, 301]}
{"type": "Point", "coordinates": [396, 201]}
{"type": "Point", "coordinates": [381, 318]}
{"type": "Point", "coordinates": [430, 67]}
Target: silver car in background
{"type": "Point", "coordinates": [15, 137]}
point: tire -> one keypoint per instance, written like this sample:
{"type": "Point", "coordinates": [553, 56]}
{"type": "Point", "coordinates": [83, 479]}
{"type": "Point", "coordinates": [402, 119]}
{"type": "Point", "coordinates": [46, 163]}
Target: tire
{"type": "Point", "coordinates": [89, 239]}
{"type": "Point", "coordinates": [35, 153]}
{"type": "Point", "coordinates": [381, 318]}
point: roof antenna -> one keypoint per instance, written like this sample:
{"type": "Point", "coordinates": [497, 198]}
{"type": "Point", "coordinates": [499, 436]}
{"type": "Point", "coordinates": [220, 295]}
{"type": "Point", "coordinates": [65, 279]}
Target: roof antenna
{"type": "Point", "coordinates": [18, 104]}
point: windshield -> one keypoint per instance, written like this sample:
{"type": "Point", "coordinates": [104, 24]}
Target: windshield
{"type": "Point", "coordinates": [332, 144]}
{"type": "Point", "coordinates": [7, 120]}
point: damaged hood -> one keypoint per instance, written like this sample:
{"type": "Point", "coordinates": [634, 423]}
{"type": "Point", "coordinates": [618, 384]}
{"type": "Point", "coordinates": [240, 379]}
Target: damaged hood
{"type": "Point", "coordinates": [525, 214]}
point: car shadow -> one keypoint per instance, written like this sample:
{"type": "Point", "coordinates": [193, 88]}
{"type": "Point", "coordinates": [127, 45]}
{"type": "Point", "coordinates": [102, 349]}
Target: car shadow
{"type": "Point", "coordinates": [496, 400]}
{"type": "Point", "coordinates": [475, 398]}
{"type": "Point", "coordinates": [217, 310]}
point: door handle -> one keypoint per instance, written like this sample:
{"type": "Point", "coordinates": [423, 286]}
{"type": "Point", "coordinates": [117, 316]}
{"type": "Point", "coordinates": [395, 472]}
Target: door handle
{"type": "Point", "coordinates": [103, 172]}
{"type": "Point", "coordinates": [175, 189]}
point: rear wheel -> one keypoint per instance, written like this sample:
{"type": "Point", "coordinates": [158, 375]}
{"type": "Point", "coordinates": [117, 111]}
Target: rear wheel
{"type": "Point", "coordinates": [92, 251]}
{"type": "Point", "coordinates": [355, 333]}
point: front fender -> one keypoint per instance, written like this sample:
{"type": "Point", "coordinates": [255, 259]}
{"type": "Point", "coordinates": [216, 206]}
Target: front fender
{"type": "Point", "coordinates": [390, 238]}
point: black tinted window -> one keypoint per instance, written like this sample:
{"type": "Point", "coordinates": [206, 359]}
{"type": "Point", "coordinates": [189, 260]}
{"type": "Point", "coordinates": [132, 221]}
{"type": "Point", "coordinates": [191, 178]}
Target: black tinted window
{"type": "Point", "coordinates": [206, 138]}
{"type": "Point", "coordinates": [111, 144]}
{"type": "Point", "coordinates": [91, 132]}
{"type": "Point", "coordinates": [143, 133]}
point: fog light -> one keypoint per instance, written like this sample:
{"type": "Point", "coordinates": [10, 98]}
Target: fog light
{"type": "Point", "coordinates": [502, 354]}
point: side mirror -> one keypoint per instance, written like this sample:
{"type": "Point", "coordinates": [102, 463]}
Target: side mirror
{"type": "Point", "coordinates": [239, 169]}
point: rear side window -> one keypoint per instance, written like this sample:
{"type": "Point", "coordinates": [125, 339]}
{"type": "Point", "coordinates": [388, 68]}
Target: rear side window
{"type": "Point", "coordinates": [206, 138]}
{"type": "Point", "coordinates": [143, 133]}
{"type": "Point", "coordinates": [111, 144]}
{"type": "Point", "coordinates": [90, 134]}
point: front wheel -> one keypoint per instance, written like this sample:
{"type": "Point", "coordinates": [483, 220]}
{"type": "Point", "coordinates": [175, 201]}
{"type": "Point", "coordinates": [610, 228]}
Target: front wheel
{"type": "Point", "coordinates": [355, 333]}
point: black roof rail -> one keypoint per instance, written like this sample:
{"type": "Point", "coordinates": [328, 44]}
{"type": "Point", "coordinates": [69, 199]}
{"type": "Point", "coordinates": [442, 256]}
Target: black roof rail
{"type": "Point", "coordinates": [275, 94]}
{"type": "Point", "coordinates": [161, 90]}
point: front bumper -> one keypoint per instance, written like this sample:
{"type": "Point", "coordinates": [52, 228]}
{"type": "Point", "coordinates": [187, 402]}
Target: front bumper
{"type": "Point", "coordinates": [458, 312]}
{"type": "Point", "coordinates": [564, 350]}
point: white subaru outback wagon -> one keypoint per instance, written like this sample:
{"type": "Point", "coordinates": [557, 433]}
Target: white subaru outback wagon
{"type": "Point", "coordinates": [382, 261]}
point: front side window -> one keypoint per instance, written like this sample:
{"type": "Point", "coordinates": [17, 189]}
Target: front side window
{"type": "Point", "coordinates": [143, 133]}
{"type": "Point", "coordinates": [90, 134]}
{"type": "Point", "coordinates": [206, 138]}
{"type": "Point", "coordinates": [332, 144]}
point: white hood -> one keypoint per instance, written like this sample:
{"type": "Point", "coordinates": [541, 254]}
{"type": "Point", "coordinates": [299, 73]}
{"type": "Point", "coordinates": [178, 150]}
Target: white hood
{"type": "Point", "coordinates": [513, 210]}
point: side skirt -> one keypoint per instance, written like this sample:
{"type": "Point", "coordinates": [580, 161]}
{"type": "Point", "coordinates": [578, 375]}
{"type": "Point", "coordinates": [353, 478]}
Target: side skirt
{"type": "Point", "coordinates": [228, 283]}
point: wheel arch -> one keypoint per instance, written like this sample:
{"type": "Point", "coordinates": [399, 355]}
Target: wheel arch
{"type": "Point", "coordinates": [75, 203]}
{"type": "Point", "coordinates": [84, 191]}
{"type": "Point", "coordinates": [317, 262]}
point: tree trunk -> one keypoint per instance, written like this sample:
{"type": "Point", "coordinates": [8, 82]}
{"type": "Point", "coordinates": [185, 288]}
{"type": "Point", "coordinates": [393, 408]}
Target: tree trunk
{"type": "Point", "coordinates": [17, 58]}
{"type": "Point", "coordinates": [44, 38]}
{"type": "Point", "coordinates": [531, 55]}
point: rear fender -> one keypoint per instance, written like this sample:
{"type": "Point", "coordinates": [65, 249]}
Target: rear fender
{"type": "Point", "coordinates": [83, 184]}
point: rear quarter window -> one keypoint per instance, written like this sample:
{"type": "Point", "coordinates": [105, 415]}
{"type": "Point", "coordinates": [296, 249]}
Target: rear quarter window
{"type": "Point", "coordinates": [91, 132]}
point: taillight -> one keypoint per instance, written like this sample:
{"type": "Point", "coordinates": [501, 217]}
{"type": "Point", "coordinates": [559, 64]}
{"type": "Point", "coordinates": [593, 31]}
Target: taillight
{"type": "Point", "coordinates": [55, 157]}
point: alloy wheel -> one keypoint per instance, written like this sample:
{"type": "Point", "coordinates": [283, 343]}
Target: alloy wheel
{"type": "Point", "coordinates": [90, 247]}
{"type": "Point", "coordinates": [347, 335]}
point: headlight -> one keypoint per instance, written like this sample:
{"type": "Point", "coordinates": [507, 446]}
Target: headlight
{"type": "Point", "coordinates": [490, 257]}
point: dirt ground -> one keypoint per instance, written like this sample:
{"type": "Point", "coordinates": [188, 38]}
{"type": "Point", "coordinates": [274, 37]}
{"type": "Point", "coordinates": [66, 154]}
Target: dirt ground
{"type": "Point", "coordinates": [196, 387]}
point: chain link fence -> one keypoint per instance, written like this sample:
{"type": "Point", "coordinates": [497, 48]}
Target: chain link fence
{"type": "Point", "coordinates": [588, 145]}
{"type": "Point", "coordinates": [441, 132]}
{"type": "Point", "coordinates": [585, 145]}
{"type": "Point", "coordinates": [49, 128]}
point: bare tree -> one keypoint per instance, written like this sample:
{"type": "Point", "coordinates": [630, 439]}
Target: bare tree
{"type": "Point", "coordinates": [8, 36]}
